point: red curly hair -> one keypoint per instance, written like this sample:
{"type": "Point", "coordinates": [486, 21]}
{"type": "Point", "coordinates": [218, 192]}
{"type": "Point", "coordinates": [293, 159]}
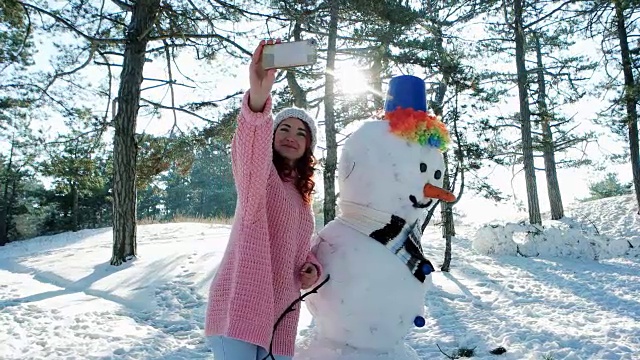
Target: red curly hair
{"type": "Point", "coordinates": [303, 170]}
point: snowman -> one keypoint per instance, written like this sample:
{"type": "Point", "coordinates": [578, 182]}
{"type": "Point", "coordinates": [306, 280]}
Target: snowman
{"type": "Point", "coordinates": [389, 171]}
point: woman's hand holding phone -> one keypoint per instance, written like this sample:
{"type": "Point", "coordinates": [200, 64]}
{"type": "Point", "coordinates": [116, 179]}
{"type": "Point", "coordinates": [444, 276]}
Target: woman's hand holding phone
{"type": "Point", "coordinates": [260, 79]}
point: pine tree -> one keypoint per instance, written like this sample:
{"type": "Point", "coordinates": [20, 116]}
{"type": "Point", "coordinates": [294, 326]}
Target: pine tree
{"type": "Point", "coordinates": [9, 179]}
{"type": "Point", "coordinates": [331, 162]}
{"type": "Point", "coordinates": [524, 116]}
{"type": "Point", "coordinates": [515, 34]}
{"type": "Point", "coordinates": [74, 163]}
{"type": "Point", "coordinates": [16, 56]}
{"type": "Point", "coordinates": [612, 24]}
{"type": "Point", "coordinates": [150, 200]}
{"type": "Point", "coordinates": [311, 19]}
{"type": "Point", "coordinates": [212, 181]}
{"type": "Point", "coordinates": [16, 171]}
{"type": "Point", "coordinates": [559, 80]}
{"type": "Point", "coordinates": [206, 190]}
{"type": "Point", "coordinates": [438, 52]}
{"type": "Point", "coordinates": [360, 29]}
{"type": "Point", "coordinates": [608, 187]}
{"type": "Point", "coordinates": [548, 148]}
{"type": "Point", "coordinates": [151, 29]}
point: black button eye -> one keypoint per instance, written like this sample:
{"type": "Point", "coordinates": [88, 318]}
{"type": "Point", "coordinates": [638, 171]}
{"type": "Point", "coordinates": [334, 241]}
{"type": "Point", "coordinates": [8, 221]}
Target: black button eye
{"type": "Point", "coordinates": [438, 174]}
{"type": "Point", "coordinates": [423, 167]}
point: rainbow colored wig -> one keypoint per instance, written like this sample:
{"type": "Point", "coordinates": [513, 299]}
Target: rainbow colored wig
{"type": "Point", "coordinates": [419, 127]}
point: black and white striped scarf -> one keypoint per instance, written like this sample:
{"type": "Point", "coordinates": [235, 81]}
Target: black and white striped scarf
{"type": "Point", "coordinates": [392, 231]}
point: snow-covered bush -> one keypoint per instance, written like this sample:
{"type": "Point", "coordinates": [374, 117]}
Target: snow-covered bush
{"type": "Point", "coordinates": [565, 238]}
{"type": "Point", "coordinates": [493, 239]}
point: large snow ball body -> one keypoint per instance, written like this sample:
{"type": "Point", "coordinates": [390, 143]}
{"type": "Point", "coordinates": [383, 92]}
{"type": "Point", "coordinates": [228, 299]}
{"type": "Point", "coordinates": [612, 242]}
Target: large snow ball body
{"type": "Point", "coordinates": [371, 300]}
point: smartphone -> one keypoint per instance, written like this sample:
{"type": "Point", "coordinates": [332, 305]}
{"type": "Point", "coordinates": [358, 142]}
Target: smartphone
{"type": "Point", "coordinates": [290, 54]}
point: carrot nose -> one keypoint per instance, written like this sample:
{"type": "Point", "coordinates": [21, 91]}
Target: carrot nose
{"type": "Point", "coordinates": [435, 192]}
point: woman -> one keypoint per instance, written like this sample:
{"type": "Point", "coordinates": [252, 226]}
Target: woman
{"type": "Point", "coordinates": [268, 259]}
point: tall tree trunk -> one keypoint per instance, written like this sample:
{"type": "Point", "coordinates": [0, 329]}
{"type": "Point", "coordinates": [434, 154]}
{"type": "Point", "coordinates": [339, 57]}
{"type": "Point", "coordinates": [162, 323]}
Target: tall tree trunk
{"type": "Point", "coordinates": [298, 93]}
{"type": "Point", "coordinates": [13, 198]}
{"type": "Point", "coordinates": [630, 93]}
{"type": "Point", "coordinates": [5, 204]}
{"type": "Point", "coordinates": [203, 206]}
{"type": "Point", "coordinates": [448, 227]}
{"type": "Point", "coordinates": [429, 215]}
{"type": "Point", "coordinates": [330, 119]}
{"type": "Point", "coordinates": [446, 209]}
{"type": "Point", "coordinates": [4, 214]}
{"type": "Point", "coordinates": [75, 212]}
{"type": "Point", "coordinates": [375, 75]}
{"type": "Point", "coordinates": [125, 148]}
{"type": "Point", "coordinates": [548, 147]}
{"type": "Point", "coordinates": [525, 117]}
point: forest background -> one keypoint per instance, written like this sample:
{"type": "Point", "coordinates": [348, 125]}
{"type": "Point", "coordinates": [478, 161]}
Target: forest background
{"type": "Point", "coordinates": [118, 112]}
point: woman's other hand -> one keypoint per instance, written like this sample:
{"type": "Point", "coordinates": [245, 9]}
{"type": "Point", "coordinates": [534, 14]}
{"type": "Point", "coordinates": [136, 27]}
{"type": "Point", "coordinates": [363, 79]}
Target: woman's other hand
{"type": "Point", "coordinates": [308, 275]}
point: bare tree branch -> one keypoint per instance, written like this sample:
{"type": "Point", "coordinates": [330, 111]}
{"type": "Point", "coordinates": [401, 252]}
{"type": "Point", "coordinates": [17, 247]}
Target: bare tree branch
{"type": "Point", "coordinates": [201, 36]}
{"type": "Point", "coordinates": [229, 96]}
{"type": "Point", "coordinates": [161, 106]}
{"type": "Point", "coordinates": [123, 5]}
{"type": "Point", "coordinates": [23, 45]}
{"type": "Point", "coordinates": [57, 76]}
{"type": "Point", "coordinates": [542, 18]}
{"type": "Point", "coordinates": [165, 82]}
{"type": "Point", "coordinates": [110, 75]}
{"type": "Point", "coordinates": [100, 18]}
{"type": "Point", "coordinates": [246, 12]}
{"type": "Point", "coordinates": [44, 93]}
{"type": "Point", "coordinates": [107, 64]}
{"type": "Point", "coordinates": [458, 153]}
{"type": "Point", "coordinates": [445, 354]}
{"type": "Point", "coordinates": [173, 95]}
{"type": "Point", "coordinates": [65, 22]}
{"type": "Point", "coordinates": [113, 53]}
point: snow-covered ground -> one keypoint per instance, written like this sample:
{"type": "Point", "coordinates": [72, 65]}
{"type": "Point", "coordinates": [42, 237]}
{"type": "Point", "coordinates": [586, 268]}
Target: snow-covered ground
{"type": "Point", "coordinates": [59, 298]}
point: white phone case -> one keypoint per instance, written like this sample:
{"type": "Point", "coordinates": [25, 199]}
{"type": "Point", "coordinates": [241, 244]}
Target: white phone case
{"type": "Point", "coordinates": [289, 54]}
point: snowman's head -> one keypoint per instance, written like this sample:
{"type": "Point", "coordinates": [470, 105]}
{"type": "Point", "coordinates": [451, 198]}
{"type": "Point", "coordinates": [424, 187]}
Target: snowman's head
{"type": "Point", "coordinates": [395, 165]}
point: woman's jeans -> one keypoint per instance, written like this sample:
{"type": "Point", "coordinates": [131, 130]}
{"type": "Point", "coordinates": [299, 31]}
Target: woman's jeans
{"type": "Point", "coordinates": [225, 348]}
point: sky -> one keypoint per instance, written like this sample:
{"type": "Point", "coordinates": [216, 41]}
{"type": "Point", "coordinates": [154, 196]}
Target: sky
{"type": "Point", "coordinates": [219, 79]}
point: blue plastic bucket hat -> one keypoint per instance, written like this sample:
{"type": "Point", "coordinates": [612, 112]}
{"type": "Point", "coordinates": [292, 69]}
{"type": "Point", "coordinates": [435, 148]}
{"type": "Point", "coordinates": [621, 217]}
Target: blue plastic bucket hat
{"type": "Point", "coordinates": [406, 91]}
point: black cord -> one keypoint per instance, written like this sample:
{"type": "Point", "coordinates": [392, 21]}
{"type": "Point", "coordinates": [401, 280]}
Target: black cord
{"type": "Point", "coordinates": [288, 310]}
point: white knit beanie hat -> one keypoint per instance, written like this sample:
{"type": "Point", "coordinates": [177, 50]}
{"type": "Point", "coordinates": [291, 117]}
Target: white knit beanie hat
{"type": "Point", "coordinates": [298, 114]}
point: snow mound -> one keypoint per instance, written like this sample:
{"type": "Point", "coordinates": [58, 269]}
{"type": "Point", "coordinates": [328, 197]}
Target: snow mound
{"type": "Point", "coordinates": [601, 229]}
{"type": "Point", "coordinates": [616, 217]}
{"type": "Point", "coordinates": [566, 238]}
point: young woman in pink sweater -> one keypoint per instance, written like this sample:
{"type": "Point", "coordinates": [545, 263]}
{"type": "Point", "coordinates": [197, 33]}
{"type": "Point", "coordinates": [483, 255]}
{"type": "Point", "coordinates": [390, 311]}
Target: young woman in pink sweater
{"type": "Point", "coordinates": [268, 259]}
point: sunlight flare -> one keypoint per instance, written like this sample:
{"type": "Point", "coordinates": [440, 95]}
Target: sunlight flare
{"type": "Point", "coordinates": [351, 79]}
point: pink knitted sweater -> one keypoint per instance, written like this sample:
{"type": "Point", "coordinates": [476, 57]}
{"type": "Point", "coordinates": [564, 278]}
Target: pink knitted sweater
{"type": "Point", "coordinates": [270, 241]}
